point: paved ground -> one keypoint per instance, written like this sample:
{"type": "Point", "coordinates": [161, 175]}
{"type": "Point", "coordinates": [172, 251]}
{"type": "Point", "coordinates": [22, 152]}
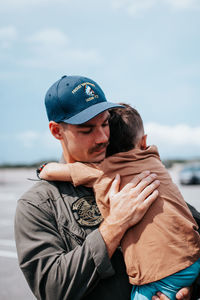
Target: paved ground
{"type": "Point", "coordinates": [13, 183]}
{"type": "Point", "coordinates": [12, 283]}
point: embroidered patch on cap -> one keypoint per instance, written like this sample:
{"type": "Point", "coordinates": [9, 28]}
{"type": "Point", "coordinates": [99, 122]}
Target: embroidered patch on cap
{"type": "Point", "coordinates": [88, 212]}
{"type": "Point", "coordinates": [89, 92]}
{"type": "Point", "coordinates": [80, 86]}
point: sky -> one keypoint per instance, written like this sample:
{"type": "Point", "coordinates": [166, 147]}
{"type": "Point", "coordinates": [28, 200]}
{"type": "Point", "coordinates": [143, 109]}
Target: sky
{"type": "Point", "coordinates": [142, 52]}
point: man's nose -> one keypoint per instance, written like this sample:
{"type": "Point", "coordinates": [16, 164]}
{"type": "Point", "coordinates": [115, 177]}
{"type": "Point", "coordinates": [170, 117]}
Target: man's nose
{"type": "Point", "coordinates": [102, 136]}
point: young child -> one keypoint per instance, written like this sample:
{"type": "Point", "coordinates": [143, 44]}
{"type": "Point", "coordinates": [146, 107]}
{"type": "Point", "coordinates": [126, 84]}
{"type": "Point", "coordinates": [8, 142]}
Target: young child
{"type": "Point", "coordinates": [162, 251]}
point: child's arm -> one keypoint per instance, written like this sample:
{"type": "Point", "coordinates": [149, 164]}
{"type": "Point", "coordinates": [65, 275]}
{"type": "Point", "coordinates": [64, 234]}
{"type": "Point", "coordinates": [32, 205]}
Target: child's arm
{"type": "Point", "coordinates": [56, 171]}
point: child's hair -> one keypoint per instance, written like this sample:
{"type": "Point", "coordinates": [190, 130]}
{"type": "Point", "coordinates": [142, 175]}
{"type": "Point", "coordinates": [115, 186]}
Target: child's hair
{"type": "Point", "coordinates": [126, 127]}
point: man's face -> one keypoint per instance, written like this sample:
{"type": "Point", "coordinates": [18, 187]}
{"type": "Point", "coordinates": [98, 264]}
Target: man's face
{"type": "Point", "coordinates": [86, 142]}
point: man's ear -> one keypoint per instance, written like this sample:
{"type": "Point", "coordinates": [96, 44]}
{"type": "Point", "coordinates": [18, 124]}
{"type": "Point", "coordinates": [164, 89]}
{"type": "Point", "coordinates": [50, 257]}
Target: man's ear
{"type": "Point", "coordinates": [144, 142]}
{"type": "Point", "coordinates": [55, 129]}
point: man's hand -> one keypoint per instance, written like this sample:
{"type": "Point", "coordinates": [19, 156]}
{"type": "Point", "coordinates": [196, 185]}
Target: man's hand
{"type": "Point", "coordinates": [127, 207]}
{"type": "Point", "coordinates": [183, 294]}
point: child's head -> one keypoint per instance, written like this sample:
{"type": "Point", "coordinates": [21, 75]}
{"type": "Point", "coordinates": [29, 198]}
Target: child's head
{"type": "Point", "coordinates": [126, 129]}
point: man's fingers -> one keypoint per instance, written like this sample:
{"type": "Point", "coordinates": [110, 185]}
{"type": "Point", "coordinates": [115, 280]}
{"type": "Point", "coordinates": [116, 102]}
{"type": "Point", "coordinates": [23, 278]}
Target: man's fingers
{"type": "Point", "coordinates": [148, 190]}
{"type": "Point", "coordinates": [145, 182]}
{"type": "Point", "coordinates": [150, 199]}
{"type": "Point", "coordinates": [114, 186]}
{"type": "Point", "coordinates": [140, 181]}
{"type": "Point", "coordinates": [184, 293]}
{"type": "Point", "coordinates": [139, 177]}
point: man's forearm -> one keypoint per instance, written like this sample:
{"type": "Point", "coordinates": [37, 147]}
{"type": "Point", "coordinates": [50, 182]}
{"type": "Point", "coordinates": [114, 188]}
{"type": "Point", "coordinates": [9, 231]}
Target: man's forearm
{"type": "Point", "coordinates": [56, 171]}
{"type": "Point", "coordinates": [112, 235]}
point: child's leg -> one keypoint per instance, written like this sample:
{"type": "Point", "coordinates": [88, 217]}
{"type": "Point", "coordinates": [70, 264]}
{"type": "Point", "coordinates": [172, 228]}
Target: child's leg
{"type": "Point", "coordinates": [143, 292]}
{"type": "Point", "coordinates": [168, 285]}
{"type": "Point", "coordinates": [147, 291]}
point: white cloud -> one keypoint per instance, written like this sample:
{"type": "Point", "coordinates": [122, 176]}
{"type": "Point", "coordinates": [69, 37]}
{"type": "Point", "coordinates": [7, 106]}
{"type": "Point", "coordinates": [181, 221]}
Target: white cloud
{"type": "Point", "coordinates": [29, 146]}
{"type": "Point", "coordinates": [174, 141]}
{"type": "Point", "coordinates": [49, 37]}
{"type": "Point", "coordinates": [28, 138]}
{"type": "Point", "coordinates": [11, 4]}
{"type": "Point", "coordinates": [131, 6]}
{"type": "Point", "coordinates": [51, 49]}
{"type": "Point", "coordinates": [134, 7]}
{"type": "Point", "coordinates": [176, 135]}
{"type": "Point", "coordinates": [183, 4]}
{"type": "Point", "coordinates": [7, 36]}
{"type": "Point", "coordinates": [133, 3]}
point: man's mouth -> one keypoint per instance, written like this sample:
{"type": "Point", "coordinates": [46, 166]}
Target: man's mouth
{"type": "Point", "coordinates": [99, 148]}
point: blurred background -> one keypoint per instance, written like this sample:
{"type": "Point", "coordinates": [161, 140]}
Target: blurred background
{"type": "Point", "coordinates": [142, 52]}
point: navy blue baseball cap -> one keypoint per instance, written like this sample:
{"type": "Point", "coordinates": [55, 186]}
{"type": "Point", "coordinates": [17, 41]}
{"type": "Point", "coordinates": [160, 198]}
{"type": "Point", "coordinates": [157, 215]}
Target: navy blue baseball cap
{"type": "Point", "coordinates": [75, 100]}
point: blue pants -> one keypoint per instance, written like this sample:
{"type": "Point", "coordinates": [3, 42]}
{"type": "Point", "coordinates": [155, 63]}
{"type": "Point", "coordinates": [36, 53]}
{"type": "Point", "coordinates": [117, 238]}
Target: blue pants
{"type": "Point", "coordinates": [169, 285]}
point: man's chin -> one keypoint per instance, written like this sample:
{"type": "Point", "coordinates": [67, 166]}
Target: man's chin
{"type": "Point", "coordinates": [99, 157]}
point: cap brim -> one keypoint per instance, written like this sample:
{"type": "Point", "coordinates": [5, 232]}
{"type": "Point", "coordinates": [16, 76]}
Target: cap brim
{"type": "Point", "coordinates": [90, 113]}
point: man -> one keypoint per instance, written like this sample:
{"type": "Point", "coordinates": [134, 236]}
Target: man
{"type": "Point", "coordinates": [65, 249]}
